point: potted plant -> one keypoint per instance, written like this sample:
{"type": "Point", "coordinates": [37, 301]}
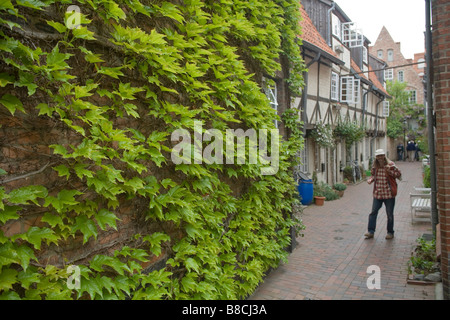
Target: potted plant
{"type": "Point", "coordinates": [340, 188]}
{"type": "Point", "coordinates": [319, 193]}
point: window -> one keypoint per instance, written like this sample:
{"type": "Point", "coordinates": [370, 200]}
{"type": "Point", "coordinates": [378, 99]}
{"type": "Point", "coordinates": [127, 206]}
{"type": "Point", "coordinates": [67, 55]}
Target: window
{"type": "Point", "coordinates": [351, 36]}
{"type": "Point", "coordinates": [421, 64]}
{"type": "Point", "coordinates": [271, 93]}
{"type": "Point", "coordinates": [365, 55]}
{"type": "Point", "coordinates": [303, 166]}
{"type": "Point", "coordinates": [390, 55]}
{"type": "Point", "coordinates": [401, 76]}
{"type": "Point", "coordinates": [334, 86]}
{"type": "Point", "coordinates": [386, 106]}
{"type": "Point", "coordinates": [380, 54]}
{"type": "Point", "coordinates": [350, 90]}
{"type": "Point", "coordinates": [388, 74]}
{"type": "Point", "coordinates": [412, 96]}
{"type": "Point", "coordinates": [336, 25]}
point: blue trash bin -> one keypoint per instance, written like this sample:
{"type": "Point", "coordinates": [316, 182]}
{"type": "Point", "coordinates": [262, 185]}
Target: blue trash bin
{"type": "Point", "coordinates": [306, 191]}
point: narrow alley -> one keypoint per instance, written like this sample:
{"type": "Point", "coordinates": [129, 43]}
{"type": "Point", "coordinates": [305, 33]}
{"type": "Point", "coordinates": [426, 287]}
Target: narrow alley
{"type": "Point", "coordinates": [331, 261]}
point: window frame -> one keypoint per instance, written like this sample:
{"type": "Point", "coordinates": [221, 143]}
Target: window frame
{"type": "Point", "coordinates": [334, 87]}
{"type": "Point", "coordinates": [351, 35]}
{"type": "Point", "coordinates": [390, 55]}
{"type": "Point", "coordinates": [352, 88]}
{"type": "Point", "coordinates": [401, 76]}
{"type": "Point", "coordinates": [412, 99]}
{"type": "Point", "coordinates": [336, 26]}
{"type": "Point", "coordinates": [390, 72]}
{"type": "Point", "coordinates": [380, 54]}
{"type": "Point", "coordinates": [365, 54]}
{"type": "Point", "coordinates": [386, 107]}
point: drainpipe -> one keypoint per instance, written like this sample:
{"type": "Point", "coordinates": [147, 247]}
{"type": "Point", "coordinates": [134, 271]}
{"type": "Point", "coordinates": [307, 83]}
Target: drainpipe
{"type": "Point", "coordinates": [365, 103]}
{"type": "Point", "coordinates": [431, 118]}
{"type": "Point", "coordinates": [305, 92]}
{"type": "Point", "coordinates": [329, 23]}
{"type": "Point", "coordinates": [376, 123]}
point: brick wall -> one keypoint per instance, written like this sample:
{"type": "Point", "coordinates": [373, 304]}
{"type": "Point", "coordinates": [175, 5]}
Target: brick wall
{"type": "Point", "coordinates": [385, 42]}
{"type": "Point", "coordinates": [441, 68]}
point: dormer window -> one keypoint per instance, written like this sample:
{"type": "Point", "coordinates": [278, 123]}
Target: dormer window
{"type": "Point", "coordinates": [351, 35]}
{"type": "Point", "coordinates": [336, 26]}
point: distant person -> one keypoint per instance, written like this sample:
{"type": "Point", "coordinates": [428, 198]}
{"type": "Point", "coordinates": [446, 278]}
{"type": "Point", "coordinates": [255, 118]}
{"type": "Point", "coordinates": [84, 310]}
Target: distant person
{"type": "Point", "coordinates": [384, 175]}
{"type": "Point", "coordinates": [400, 151]}
{"type": "Point", "coordinates": [411, 149]}
{"type": "Point", "coordinates": [417, 154]}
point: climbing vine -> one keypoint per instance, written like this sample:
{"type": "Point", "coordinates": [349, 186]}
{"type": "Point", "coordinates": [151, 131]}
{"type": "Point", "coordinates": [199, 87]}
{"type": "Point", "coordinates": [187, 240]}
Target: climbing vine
{"type": "Point", "coordinates": [105, 88]}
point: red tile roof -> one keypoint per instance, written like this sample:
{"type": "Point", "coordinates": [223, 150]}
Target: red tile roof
{"type": "Point", "coordinates": [357, 69]}
{"type": "Point", "coordinates": [311, 34]}
{"type": "Point", "coordinates": [373, 78]}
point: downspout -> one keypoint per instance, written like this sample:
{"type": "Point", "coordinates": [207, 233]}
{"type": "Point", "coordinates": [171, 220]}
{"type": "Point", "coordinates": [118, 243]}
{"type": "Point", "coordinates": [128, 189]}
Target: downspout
{"type": "Point", "coordinates": [333, 6]}
{"type": "Point", "coordinates": [376, 122]}
{"type": "Point", "coordinates": [305, 92]}
{"type": "Point", "coordinates": [364, 107]}
{"type": "Point", "coordinates": [431, 118]}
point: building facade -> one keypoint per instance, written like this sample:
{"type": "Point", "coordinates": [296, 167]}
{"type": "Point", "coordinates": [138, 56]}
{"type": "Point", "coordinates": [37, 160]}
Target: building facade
{"type": "Point", "coordinates": [399, 68]}
{"type": "Point", "coordinates": [441, 102]}
{"type": "Point", "coordinates": [340, 89]}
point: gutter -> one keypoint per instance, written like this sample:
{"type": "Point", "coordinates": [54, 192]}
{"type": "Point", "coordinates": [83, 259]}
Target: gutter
{"type": "Point", "coordinates": [333, 6]}
{"type": "Point", "coordinates": [431, 117]}
{"type": "Point", "coordinates": [376, 125]}
{"type": "Point", "coordinates": [305, 91]}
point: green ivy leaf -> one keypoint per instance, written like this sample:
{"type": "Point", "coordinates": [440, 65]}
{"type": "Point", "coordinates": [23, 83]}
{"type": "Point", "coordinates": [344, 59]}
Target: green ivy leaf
{"type": "Point", "coordinates": [11, 103]}
{"type": "Point", "coordinates": [86, 226]}
{"type": "Point", "coordinates": [58, 26]}
{"type": "Point", "coordinates": [7, 278]}
{"type": "Point", "coordinates": [9, 213]}
{"type": "Point", "coordinates": [29, 193]}
{"type": "Point", "coordinates": [34, 4]}
{"type": "Point", "coordinates": [36, 235]}
{"type": "Point", "coordinates": [5, 79]}
{"type": "Point", "coordinates": [63, 171]}
{"type": "Point", "coordinates": [28, 277]}
{"type": "Point", "coordinates": [25, 254]}
{"type": "Point", "coordinates": [83, 33]}
{"type": "Point", "coordinates": [105, 218]}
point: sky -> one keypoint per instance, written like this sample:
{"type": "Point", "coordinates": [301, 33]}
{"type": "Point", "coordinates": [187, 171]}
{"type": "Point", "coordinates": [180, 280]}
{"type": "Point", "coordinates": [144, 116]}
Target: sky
{"type": "Point", "coordinates": [404, 19]}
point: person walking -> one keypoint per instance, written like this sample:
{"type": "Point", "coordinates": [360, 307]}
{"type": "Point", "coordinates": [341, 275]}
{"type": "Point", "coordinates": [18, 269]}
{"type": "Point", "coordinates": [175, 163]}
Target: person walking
{"type": "Point", "coordinates": [411, 148]}
{"type": "Point", "coordinates": [384, 174]}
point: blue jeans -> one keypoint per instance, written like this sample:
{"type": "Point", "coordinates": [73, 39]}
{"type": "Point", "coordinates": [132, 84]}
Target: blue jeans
{"type": "Point", "coordinates": [376, 206]}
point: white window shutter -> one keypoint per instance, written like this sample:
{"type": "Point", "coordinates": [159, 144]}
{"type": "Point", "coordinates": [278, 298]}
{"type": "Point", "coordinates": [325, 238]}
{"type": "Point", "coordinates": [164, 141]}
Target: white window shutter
{"type": "Point", "coordinates": [347, 89]}
{"type": "Point", "coordinates": [351, 36]}
{"type": "Point", "coordinates": [386, 105]}
{"type": "Point", "coordinates": [356, 90]}
{"type": "Point", "coordinates": [334, 86]}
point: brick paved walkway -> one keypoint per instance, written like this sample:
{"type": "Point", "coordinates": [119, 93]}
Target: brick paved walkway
{"type": "Point", "coordinates": [331, 260]}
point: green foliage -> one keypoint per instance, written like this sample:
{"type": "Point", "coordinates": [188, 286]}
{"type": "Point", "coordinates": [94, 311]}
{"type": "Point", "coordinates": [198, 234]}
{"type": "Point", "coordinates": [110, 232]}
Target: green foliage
{"type": "Point", "coordinates": [351, 132]}
{"type": "Point", "coordinates": [119, 85]}
{"type": "Point", "coordinates": [339, 186]}
{"type": "Point", "coordinates": [423, 261]}
{"type": "Point", "coordinates": [323, 189]}
{"type": "Point", "coordinates": [426, 177]}
{"type": "Point", "coordinates": [401, 108]}
{"type": "Point", "coordinates": [323, 135]}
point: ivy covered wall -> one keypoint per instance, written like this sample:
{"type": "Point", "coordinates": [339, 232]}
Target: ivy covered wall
{"type": "Point", "coordinates": [89, 98]}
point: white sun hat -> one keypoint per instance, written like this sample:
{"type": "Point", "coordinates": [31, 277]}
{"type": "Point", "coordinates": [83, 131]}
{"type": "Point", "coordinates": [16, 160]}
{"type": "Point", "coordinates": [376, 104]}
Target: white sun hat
{"type": "Point", "coordinates": [379, 152]}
